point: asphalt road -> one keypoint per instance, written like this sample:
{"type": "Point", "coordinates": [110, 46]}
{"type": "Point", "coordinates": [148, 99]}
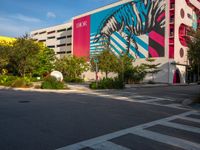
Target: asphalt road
{"type": "Point", "coordinates": [47, 121]}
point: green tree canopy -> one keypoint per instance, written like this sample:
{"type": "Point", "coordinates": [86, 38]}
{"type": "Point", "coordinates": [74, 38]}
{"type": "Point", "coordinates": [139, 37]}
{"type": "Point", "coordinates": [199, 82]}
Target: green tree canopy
{"type": "Point", "coordinates": [21, 55]}
{"type": "Point", "coordinates": [44, 61]}
{"type": "Point", "coordinates": [107, 62]}
{"type": "Point", "coordinates": [71, 66]}
{"type": "Point", "coordinates": [194, 51]}
{"type": "Point", "coordinates": [26, 57]}
{"type": "Point", "coordinates": [151, 67]}
{"type": "Point", "coordinates": [4, 58]}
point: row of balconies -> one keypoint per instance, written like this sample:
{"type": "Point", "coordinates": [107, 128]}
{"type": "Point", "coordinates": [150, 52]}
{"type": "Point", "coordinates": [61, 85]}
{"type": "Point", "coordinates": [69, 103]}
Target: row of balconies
{"type": "Point", "coordinates": [53, 31]}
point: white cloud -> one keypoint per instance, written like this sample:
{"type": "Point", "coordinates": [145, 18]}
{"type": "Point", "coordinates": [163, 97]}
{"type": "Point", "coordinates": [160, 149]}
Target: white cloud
{"type": "Point", "coordinates": [51, 15]}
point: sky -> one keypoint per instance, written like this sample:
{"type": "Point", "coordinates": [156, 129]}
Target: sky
{"type": "Point", "coordinates": [18, 17]}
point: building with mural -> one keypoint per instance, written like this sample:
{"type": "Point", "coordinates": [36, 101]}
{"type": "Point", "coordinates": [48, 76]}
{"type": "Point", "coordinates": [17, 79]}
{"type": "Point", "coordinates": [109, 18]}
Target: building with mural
{"type": "Point", "coordinates": [143, 29]}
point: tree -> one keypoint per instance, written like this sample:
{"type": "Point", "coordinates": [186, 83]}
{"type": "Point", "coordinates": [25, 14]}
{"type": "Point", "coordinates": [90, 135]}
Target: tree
{"type": "Point", "coordinates": [194, 51]}
{"type": "Point", "coordinates": [4, 58]}
{"type": "Point", "coordinates": [107, 62]}
{"type": "Point", "coordinates": [44, 61]}
{"type": "Point", "coordinates": [71, 66]}
{"type": "Point", "coordinates": [151, 68]}
{"type": "Point", "coordinates": [22, 54]}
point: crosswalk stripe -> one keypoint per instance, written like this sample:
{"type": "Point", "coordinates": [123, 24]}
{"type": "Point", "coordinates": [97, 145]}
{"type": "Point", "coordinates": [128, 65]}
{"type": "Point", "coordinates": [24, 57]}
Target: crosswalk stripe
{"type": "Point", "coordinates": [191, 119]}
{"type": "Point", "coordinates": [108, 146]}
{"type": "Point", "coordinates": [167, 139]}
{"type": "Point", "coordinates": [116, 134]}
{"type": "Point", "coordinates": [181, 126]}
{"type": "Point", "coordinates": [196, 113]}
{"type": "Point", "coordinates": [134, 99]}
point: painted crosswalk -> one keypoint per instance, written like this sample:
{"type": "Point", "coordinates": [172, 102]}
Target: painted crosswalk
{"type": "Point", "coordinates": [160, 101]}
{"type": "Point", "coordinates": [144, 132]}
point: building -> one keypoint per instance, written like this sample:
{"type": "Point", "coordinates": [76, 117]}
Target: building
{"type": "Point", "coordinates": [57, 38]}
{"type": "Point", "coordinates": [145, 29]}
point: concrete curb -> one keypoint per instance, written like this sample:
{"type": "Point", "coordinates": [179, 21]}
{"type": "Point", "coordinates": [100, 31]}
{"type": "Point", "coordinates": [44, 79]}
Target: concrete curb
{"type": "Point", "coordinates": [156, 85]}
{"type": "Point", "coordinates": [145, 85]}
{"type": "Point", "coordinates": [41, 90]}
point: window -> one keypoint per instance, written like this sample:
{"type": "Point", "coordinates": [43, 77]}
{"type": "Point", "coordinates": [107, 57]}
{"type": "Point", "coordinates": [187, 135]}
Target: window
{"type": "Point", "coordinates": [69, 52]}
{"type": "Point", "coordinates": [70, 28]}
{"type": "Point", "coordinates": [189, 16]}
{"type": "Point", "coordinates": [42, 32]}
{"type": "Point", "coordinates": [69, 44]}
{"type": "Point", "coordinates": [172, 6]}
{"type": "Point", "coordinates": [51, 46]}
{"type": "Point", "coordinates": [50, 32]}
{"type": "Point", "coordinates": [35, 33]}
{"type": "Point", "coordinates": [60, 45]}
{"type": "Point", "coordinates": [69, 36]}
{"type": "Point", "coordinates": [62, 37]}
{"type": "Point", "coordinates": [62, 52]}
{"type": "Point", "coordinates": [42, 40]}
{"type": "Point", "coordinates": [172, 18]}
{"type": "Point", "coordinates": [52, 37]}
{"type": "Point", "coordinates": [172, 32]}
{"type": "Point", "coordinates": [61, 30]}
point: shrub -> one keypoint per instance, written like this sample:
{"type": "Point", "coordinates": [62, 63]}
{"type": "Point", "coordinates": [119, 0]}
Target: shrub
{"type": "Point", "coordinates": [6, 80]}
{"type": "Point", "coordinates": [21, 82]}
{"type": "Point", "coordinates": [135, 74]}
{"type": "Point", "coordinates": [73, 80]}
{"type": "Point", "coordinates": [108, 83]}
{"type": "Point", "coordinates": [52, 83]}
{"type": "Point", "coordinates": [151, 82]}
{"type": "Point", "coordinates": [93, 85]}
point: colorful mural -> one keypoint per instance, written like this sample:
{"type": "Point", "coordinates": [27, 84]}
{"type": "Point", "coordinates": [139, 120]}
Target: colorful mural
{"type": "Point", "coordinates": [136, 27]}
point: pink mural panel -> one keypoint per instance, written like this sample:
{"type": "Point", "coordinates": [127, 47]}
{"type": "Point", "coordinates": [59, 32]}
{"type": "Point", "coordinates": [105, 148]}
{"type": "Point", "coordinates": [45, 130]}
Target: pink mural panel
{"type": "Point", "coordinates": [81, 37]}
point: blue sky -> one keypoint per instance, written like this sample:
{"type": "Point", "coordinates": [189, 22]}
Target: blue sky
{"type": "Point", "coordinates": [20, 16]}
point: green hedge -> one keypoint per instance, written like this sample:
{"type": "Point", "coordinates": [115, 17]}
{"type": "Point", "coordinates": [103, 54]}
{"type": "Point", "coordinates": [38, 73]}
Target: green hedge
{"type": "Point", "coordinates": [108, 83]}
{"type": "Point", "coordinates": [73, 80]}
{"type": "Point", "coordinates": [6, 80]}
{"type": "Point", "coordinates": [52, 83]}
{"type": "Point", "coordinates": [21, 82]}
{"type": "Point", "coordinates": [14, 81]}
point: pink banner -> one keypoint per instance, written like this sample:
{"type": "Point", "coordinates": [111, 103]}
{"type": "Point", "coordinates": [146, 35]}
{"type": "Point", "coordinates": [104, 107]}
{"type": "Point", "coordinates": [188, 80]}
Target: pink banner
{"type": "Point", "coordinates": [81, 37]}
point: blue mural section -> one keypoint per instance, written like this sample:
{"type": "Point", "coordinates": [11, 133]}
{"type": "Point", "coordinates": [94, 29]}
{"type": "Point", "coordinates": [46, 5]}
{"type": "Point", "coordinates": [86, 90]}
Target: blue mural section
{"type": "Point", "coordinates": [96, 21]}
{"type": "Point", "coordinates": [125, 28]}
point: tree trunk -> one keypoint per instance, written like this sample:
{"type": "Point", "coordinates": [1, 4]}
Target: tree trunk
{"type": "Point", "coordinates": [106, 74]}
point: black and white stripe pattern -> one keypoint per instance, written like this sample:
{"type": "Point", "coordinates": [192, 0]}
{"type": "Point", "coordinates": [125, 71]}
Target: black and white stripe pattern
{"type": "Point", "coordinates": [130, 20]}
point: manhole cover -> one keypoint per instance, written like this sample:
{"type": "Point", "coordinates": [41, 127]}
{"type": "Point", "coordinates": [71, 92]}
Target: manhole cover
{"type": "Point", "coordinates": [24, 101]}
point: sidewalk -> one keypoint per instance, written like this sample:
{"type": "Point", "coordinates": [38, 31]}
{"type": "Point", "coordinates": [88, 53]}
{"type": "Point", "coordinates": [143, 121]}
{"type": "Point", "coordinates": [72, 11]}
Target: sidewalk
{"type": "Point", "coordinates": [84, 87]}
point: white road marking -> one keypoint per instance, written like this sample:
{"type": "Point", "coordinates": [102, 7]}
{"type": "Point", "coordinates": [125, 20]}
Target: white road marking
{"type": "Point", "coordinates": [191, 119]}
{"type": "Point", "coordinates": [168, 139]}
{"type": "Point", "coordinates": [136, 129]}
{"type": "Point", "coordinates": [108, 146]}
{"type": "Point", "coordinates": [152, 102]}
{"type": "Point", "coordinates": [181, 126]}
{"type": "Point", "coordinates": [196, 113]}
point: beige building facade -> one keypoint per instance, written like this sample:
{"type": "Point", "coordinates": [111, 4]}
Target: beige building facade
{"type": "Point", "coordinates": [58, 38]}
